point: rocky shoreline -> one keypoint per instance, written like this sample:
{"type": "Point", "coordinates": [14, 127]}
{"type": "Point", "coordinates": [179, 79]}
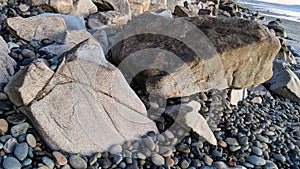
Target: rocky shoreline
{"type": "Point", "coordinates": [262, 131]}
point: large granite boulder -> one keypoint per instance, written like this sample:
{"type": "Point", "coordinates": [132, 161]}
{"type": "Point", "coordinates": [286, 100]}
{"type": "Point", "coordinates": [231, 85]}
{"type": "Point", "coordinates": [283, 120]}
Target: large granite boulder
{"type": "Point", "coordinates": [85, 106]}
{"type": "Point", "coordinates": [6, 63]}
{"type": "Point", "coordinates": [183, 56]}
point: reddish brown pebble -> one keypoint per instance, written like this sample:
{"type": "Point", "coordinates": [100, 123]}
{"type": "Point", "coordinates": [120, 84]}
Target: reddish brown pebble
{"type": "Point", "coordinates": [169, 161]}
{"type": "Point", "coordinates": [231, 163]}
{"type": "Point", "coordinates": [60, 158]}
{"type": "Point", "coordinates": [2, 153]}
{"type": "Point", "coordinates": [222, 144]}
{"type": "Point", "coordinates": [38, 149]}
{"type": "Point", "coordinates": [3, 125]}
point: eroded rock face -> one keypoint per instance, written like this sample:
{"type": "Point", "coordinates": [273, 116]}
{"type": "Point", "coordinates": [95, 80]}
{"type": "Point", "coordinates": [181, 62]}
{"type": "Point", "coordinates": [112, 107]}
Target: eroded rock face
{"type": "Point", "coordinates": [284, 82]}
{"type": "Point", "coordinates": [38, 27]}
{"type": "Point", "coordinates": [188, 117]}
{"type": "Point", "coordinates": [206, 52]}
{"type": "Point", "coordinates": [86, 105]}
{"type": "Point", "coordinates": [6, 62]}
{"type": "Point", "coordinates": [31, 78]}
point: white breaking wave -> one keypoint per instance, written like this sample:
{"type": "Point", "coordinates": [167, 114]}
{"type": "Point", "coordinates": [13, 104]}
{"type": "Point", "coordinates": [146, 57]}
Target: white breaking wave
{"type": "Point", "coordinates": [275, 8]}
{"type": "Point", "coordinates": [283, 2]}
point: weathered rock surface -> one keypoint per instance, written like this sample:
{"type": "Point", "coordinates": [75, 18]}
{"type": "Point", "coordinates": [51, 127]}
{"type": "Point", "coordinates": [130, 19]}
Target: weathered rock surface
{"type": "Point", "coordinates": [122, 6]}
{"type": "Point", "coordinates": [100, 20]}
{"type": "Point", "coordinates": [218, 60]}
{"type": "Point", "coordinates": [181, 11]}
{"type": "Point", "coordinates": [31, 78]}
{"type": "Point", "coordinates": [73, 22]}
{"type": "Point", "coordinates": [139, 6]}
{"type": "Point", "coordinates": [86, 106]}
{"type": "Point", "coordinates": [284, 82]}
{"type": "Point", "coordinates": [187, 116]}
{"type": "Point", "coordinates": [101, 37]}
{"type": "Point", "coordinates": [38, 28]}
{"type": "Point", "coordinates": [6, 63]}
{"type": "Point", "coordinates": [62, 6]}
{"type": "Point", "coordinates": [73, 37]}
{"type": "Point", "coordinates": [84, 7]}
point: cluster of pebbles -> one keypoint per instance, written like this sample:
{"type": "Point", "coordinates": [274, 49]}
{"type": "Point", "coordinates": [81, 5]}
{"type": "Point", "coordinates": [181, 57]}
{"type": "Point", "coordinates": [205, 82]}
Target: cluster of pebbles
{"type": "Point", "coordinates": [261, 132]}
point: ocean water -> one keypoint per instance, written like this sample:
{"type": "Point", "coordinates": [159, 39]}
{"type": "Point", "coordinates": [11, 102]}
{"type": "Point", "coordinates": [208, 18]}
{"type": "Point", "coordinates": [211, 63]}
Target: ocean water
{"type": "Point", "coordinates": [284, 9]}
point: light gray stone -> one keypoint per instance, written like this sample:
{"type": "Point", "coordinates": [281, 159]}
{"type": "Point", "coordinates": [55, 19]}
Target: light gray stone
{"type": "Point", "coordinates": [21, 151]}
{"type": "Point", "coordinates": [77, 162]}
{"type": "Point", "coordinates": [188, 117]}
{"type": "Point", "coordinates": [255, 160]}
{"type": "Point", "coordinates": [11, 163]}
{"type": "Point", "coordinates": [157, 159]}
{"type": "Point", "coordinates": [48, 162]}
{"type": "Point", "coordinates": [19, 129]}
{"type": "Point", "coordinates": [28, 82]}
{"type": "Point", "coordinates": [6, 62]}
{"type": "Point", "coordinates": [284, 82]}
{"type": "Point", "coordinates": [10, 145]}
{"type": "Point", "coordinates": [232, 141]}
{"type": "Point", "coordinates": [62, 6]}
{"type": "Point", "coordinates": [84, 7]}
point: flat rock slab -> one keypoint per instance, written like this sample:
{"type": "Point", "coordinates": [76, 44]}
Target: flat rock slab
{"type": "Point", "coordinates": [87, 105]}
{"type": "Point", "coordinates": [6, 62]}
{"type": "Point", "coordinates": [38, 28]}
{"type": "Point", "coordinates": [184, 56]}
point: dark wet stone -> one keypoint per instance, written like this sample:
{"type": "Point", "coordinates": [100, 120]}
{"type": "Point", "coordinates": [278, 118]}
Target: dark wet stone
{"type": "Point", "coordinates": [5, 105]}
{"type": "Point", "coordinates": [16, 118]}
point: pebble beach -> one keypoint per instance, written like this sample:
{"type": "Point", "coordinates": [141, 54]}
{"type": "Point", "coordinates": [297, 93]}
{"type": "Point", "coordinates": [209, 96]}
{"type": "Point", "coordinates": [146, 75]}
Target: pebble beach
{"type": "Point", "coordinates": [261, 132]}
